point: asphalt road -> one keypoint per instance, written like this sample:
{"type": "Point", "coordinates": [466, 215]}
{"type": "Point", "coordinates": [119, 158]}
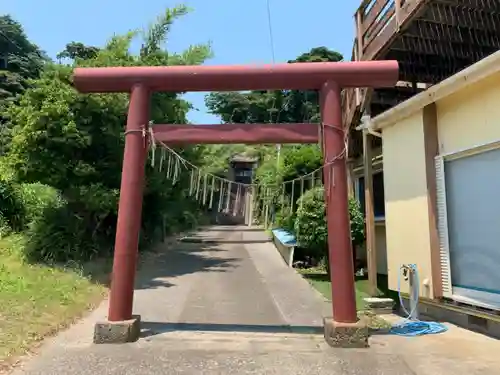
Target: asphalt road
{"type": "Point", "coordinates": [231, 306]}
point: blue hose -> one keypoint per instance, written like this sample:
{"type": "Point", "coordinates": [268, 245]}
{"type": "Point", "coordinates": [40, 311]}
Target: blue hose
{"type": "Point", "coordinates": [409, 327]}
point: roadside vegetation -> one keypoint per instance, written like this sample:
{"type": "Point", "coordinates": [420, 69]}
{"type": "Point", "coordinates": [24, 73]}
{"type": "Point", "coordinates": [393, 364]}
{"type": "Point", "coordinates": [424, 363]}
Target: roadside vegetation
{"type": "Point", "coordinates": [60, 165]}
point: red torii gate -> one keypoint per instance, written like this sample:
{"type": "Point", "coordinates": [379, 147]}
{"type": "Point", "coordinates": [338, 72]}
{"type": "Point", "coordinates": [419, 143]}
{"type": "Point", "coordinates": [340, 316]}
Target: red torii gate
{"type": "Point", "coordinates": [328, 78]}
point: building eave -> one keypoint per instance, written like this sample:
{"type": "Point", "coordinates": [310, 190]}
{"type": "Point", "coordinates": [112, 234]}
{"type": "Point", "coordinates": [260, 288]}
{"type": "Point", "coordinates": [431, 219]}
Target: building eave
{"type": "Point", "coordinates": [471, 75]}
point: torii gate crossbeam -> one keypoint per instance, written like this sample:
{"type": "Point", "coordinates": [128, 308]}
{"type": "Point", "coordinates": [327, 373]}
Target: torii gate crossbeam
{"type": "Point", "coordinates": [140, 82]}
{"type": "Point", "coordinates": [237, 133]}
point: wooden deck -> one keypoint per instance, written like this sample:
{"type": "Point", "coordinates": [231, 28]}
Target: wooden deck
{"type": "Point", "coordinates": [431, 39]}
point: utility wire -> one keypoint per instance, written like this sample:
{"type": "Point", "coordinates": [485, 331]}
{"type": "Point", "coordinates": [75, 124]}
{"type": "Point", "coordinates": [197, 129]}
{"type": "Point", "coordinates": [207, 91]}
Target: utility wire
{"type": "Point", "coordinates": [270, 27]}
{"type": "Point", "coordinates": [273, 56]}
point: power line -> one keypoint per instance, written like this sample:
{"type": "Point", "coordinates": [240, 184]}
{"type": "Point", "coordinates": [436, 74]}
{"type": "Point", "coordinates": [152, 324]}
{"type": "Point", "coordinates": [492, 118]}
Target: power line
{"type": "Point", "coordinates": [273, 55]}
{"type": "Point", "coordinates": [270, 27]}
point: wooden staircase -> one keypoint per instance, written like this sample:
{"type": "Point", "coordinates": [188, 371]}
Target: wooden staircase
{"type": "Point", "coordinates": [431, 39]}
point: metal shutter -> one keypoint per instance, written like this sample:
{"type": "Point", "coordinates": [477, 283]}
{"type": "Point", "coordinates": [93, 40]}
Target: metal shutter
{"type": "Point", "coordinates": [444, 249]}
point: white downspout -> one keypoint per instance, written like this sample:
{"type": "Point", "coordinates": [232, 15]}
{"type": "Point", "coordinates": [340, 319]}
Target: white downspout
{"type": "Point", "coordinates": [366, 124]}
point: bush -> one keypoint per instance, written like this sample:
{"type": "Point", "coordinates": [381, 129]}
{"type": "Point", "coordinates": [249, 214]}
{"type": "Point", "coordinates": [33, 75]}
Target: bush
{"type": "Point", "coordinates": [310, 224]}
{"type": "Point", "coordinates": [60, 235]}
{"type": "Point", "coordinates": [285, 219]}
{"type": "Point", "coordinates": [168, 212]}
{"type": "Point", "coordinates": [4, 227]}
{"type": "Point", "coordinates": [62, 230]}
{"type": "Point", "coordinates": [80, 225]}
{"type": "Point", "coordinates": [11, 207]}
{"type": "Point", "coordinates": [36, 199]}
{"type": "Point", "coordinates": [357, 222]}
{"type": "Point", "coordinates": [54, 230]}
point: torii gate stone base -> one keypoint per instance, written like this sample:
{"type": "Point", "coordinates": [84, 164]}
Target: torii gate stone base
{"type": "Point", "coordinates": [343, 329]}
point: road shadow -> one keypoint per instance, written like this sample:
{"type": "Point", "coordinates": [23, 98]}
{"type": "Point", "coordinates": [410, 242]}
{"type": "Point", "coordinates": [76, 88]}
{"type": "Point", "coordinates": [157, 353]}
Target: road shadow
{"type": "Point", "coordinates": [215, 241]}
{"type": "Point", "coordinates": [233, 229]}
{"type": "Point", "coordinates": [149, 329]}
{"type": "Point", "coordinates": [171, 260]}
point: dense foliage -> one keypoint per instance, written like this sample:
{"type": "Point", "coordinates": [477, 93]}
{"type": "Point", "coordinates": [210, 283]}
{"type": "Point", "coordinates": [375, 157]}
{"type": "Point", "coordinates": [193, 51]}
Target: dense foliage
{"type": "Point", "coordinates": [77, 50]}
{"type": "Point", "coordinates": [11, 209]}
{"type": "Point", "coordinates": [72, 144]}
{"type": "Point", "coordinates": [310, 224]}
{"type": "Point", "coordinates": [280, 106]}
{"type": "Point", "coordinates": [20, 61]}
{"type": "Point", "coordinates": [61, 154]}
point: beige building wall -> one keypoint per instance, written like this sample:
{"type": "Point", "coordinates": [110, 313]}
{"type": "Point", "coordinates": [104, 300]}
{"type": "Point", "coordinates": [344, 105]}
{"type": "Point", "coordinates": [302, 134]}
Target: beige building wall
{"type": "Point", "coordinates": [470, 117]}
{"type": "Point", "coordinates": [406, 215]}
{"type": "Point", "coordinates": [466, 119]}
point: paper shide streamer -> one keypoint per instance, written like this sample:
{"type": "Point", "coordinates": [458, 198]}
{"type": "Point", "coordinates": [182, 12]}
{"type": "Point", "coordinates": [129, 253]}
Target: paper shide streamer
{"type": "Point", "coordinates": [231, 197]}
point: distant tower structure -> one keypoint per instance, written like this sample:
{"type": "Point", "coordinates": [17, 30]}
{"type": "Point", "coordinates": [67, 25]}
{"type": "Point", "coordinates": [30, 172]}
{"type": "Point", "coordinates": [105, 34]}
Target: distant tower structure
{"type": "Point", "coordinates": [241, 168]}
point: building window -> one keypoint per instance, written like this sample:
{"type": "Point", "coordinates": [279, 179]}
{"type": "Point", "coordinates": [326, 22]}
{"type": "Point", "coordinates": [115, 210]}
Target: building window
{"type": "Point", "coordinates": [244, 173]}
{"type": "Point", "coordinates": [468, 225]}
{"type": "Point", "coordinates": [378, 194]}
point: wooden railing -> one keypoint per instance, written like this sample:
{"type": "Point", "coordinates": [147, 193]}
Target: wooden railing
{"type": "Point", "coordinates": [372, 19]}
{"type": "Point", "coordinates": [378, 21]}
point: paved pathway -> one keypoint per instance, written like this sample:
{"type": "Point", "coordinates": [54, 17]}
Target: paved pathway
{"type": "Point", "coordinates": [233, 307]}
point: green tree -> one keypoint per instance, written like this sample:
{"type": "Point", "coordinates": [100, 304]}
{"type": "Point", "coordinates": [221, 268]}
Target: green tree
{"type": "Point", "coordinates": [77, 50]}
{"type": "Point", "coordinates": [20, 61]}
{"type": "Point", "coordinates": [74, 142]}
{"type": "Point", "coordinates": [281, 106]}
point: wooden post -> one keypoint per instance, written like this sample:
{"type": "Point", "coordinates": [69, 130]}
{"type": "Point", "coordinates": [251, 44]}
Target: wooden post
{"type": "Point", "coordinates": [371, 243]}
{"type": "Point", "coordinates": [360, 34]}
{"type": "Point", "coordinates": [359, 48]}
{"type": "Point", "coordinates": [397, 9]}
{"type": "Point", "coordinates": [431, 146]}
{"type": "Point", "coordinates": [248, 205]}
{"type": "Point", "coordinates": [250, 193]}
{"type": "Point", "coordinates": [350, 179]}
{"type": "Point", "coordinates": [255, 204]}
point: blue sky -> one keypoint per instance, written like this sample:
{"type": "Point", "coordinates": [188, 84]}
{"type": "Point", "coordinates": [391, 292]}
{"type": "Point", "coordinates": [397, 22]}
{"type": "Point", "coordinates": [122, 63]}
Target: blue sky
{"type": "Point", "coordinates": [238, 29]}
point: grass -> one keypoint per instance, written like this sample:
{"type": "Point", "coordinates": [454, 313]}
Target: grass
{"type": "Point", "coordinates": [38, 300]}
{"type": "Point", "coordinates": [321, 282]}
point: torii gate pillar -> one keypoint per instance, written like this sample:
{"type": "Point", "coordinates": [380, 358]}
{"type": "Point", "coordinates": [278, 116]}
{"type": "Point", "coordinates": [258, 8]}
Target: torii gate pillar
{"type": "Point", "coordinates": [128, 226]}
{"type": "Point", "coordinates": [343, 330]}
